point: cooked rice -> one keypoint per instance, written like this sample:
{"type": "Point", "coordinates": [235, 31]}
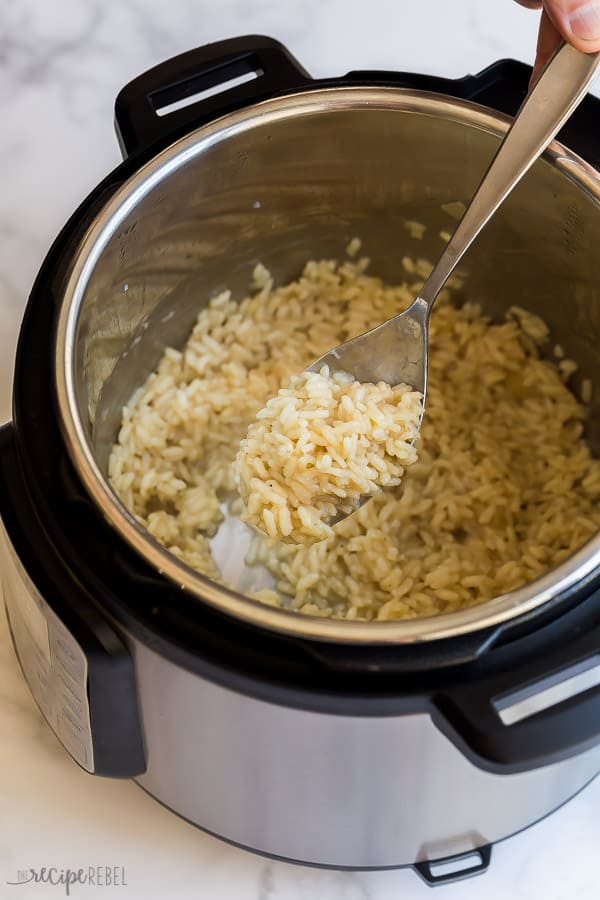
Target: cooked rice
{"type": "Point", "coordinates": [531, 324]}
{"type": "Point", "coordinates": [504, 489]}
{"type": "Point", "coordinates": [567, 367]}
{"type": "Point", "coordinates": [415, 229]}
{"type": "Point", "coordinates": [319, 446]}
{"type": "Point", "coordinates": [353, 247]}
{"type": "Point", "coordinates": [456, 209]}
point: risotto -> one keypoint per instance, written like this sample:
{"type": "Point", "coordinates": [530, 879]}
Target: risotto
{"type": "Point", "coordinates": [318, 447]}
{"type": "Point", "coordinates": [505, 486]}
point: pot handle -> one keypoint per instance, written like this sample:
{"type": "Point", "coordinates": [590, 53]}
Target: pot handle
{"type": "Point", "coordinates": [537, 714]}
{"type": "Point", "coordinates": [201, 85]}
{"type": "Point", "coordinates": [77, 667]}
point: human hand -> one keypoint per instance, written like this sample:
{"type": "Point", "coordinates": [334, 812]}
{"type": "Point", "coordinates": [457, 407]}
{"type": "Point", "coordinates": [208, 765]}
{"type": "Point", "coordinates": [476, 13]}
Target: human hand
{"type": "Point", "coordinates": [577, 21]}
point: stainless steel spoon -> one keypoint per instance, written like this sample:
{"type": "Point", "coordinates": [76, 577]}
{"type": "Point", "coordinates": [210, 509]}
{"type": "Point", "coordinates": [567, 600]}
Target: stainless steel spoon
{"type": "Point", "coordinates": [396, 351]}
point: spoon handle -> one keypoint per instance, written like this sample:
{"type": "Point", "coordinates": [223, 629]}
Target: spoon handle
{"type": "Point", "coordinates": [558, 91]}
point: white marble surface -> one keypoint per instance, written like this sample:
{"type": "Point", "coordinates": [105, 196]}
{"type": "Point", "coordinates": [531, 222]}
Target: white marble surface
{"type": "Point", "coordinates": [61, 65]}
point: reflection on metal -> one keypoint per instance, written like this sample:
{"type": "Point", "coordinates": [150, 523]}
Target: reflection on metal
{"type": "Point", "coordinates": [549, 692]}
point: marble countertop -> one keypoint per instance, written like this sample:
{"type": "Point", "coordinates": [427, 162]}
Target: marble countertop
{"type": "Point", "coordinates": [61, 66]}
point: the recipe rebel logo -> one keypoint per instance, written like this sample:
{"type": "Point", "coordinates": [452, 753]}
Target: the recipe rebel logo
{"type": "Point", "coordinates": [90, 876]}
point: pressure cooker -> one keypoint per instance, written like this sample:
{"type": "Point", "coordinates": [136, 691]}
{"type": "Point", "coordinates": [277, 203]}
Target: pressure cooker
{"type": "Point", "coordinates": [322, 741]}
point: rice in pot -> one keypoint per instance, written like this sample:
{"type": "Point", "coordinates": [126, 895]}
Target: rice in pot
{"type": "Point", "coordinates": [318, 447]}
{"type": "Point", "coordinates": [504, 489]}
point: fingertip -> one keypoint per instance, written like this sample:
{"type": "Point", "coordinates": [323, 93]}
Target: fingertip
{"type": "Point", "coordinates": [578, 23]}
{"type": "Point", "coordinates": [585, 45]}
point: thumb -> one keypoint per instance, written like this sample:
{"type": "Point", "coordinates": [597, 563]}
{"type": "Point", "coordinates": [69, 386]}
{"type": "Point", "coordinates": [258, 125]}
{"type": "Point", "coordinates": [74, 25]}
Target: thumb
{"type": "Point", "coordinates": [578, 21]}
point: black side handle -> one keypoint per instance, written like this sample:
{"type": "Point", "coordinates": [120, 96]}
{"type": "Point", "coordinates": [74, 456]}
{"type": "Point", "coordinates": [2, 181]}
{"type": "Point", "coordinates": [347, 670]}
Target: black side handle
{"type": "Point", "coordinates": [474, 714]}
{"type": "Point", "coordinates": [457, 872]}
{"type": "Point", "coordinates": [78, 668]}
{"type": "Point", "coordinates": [138, 121]}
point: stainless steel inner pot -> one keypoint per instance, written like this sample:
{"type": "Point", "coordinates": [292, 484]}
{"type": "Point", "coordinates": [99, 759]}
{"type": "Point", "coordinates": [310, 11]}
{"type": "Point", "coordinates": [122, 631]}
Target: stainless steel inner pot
{"type": "Point", "coordinates": [296, 178]}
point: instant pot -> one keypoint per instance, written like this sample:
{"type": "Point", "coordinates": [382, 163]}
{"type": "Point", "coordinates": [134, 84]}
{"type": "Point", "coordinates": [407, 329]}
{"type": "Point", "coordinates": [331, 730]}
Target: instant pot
{"type": "Point", "coordinates": [330, 742]}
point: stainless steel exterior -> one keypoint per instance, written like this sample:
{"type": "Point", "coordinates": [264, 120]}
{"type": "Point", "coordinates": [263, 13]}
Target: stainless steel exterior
{"type": "Point", "coordinates": [294, 178]}
{"type": "Point", "coordinates": [327, 789]}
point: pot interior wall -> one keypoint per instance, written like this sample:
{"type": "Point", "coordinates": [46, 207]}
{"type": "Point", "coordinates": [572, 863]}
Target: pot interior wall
{"type": "Point", "coordinates": [295, 186]}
